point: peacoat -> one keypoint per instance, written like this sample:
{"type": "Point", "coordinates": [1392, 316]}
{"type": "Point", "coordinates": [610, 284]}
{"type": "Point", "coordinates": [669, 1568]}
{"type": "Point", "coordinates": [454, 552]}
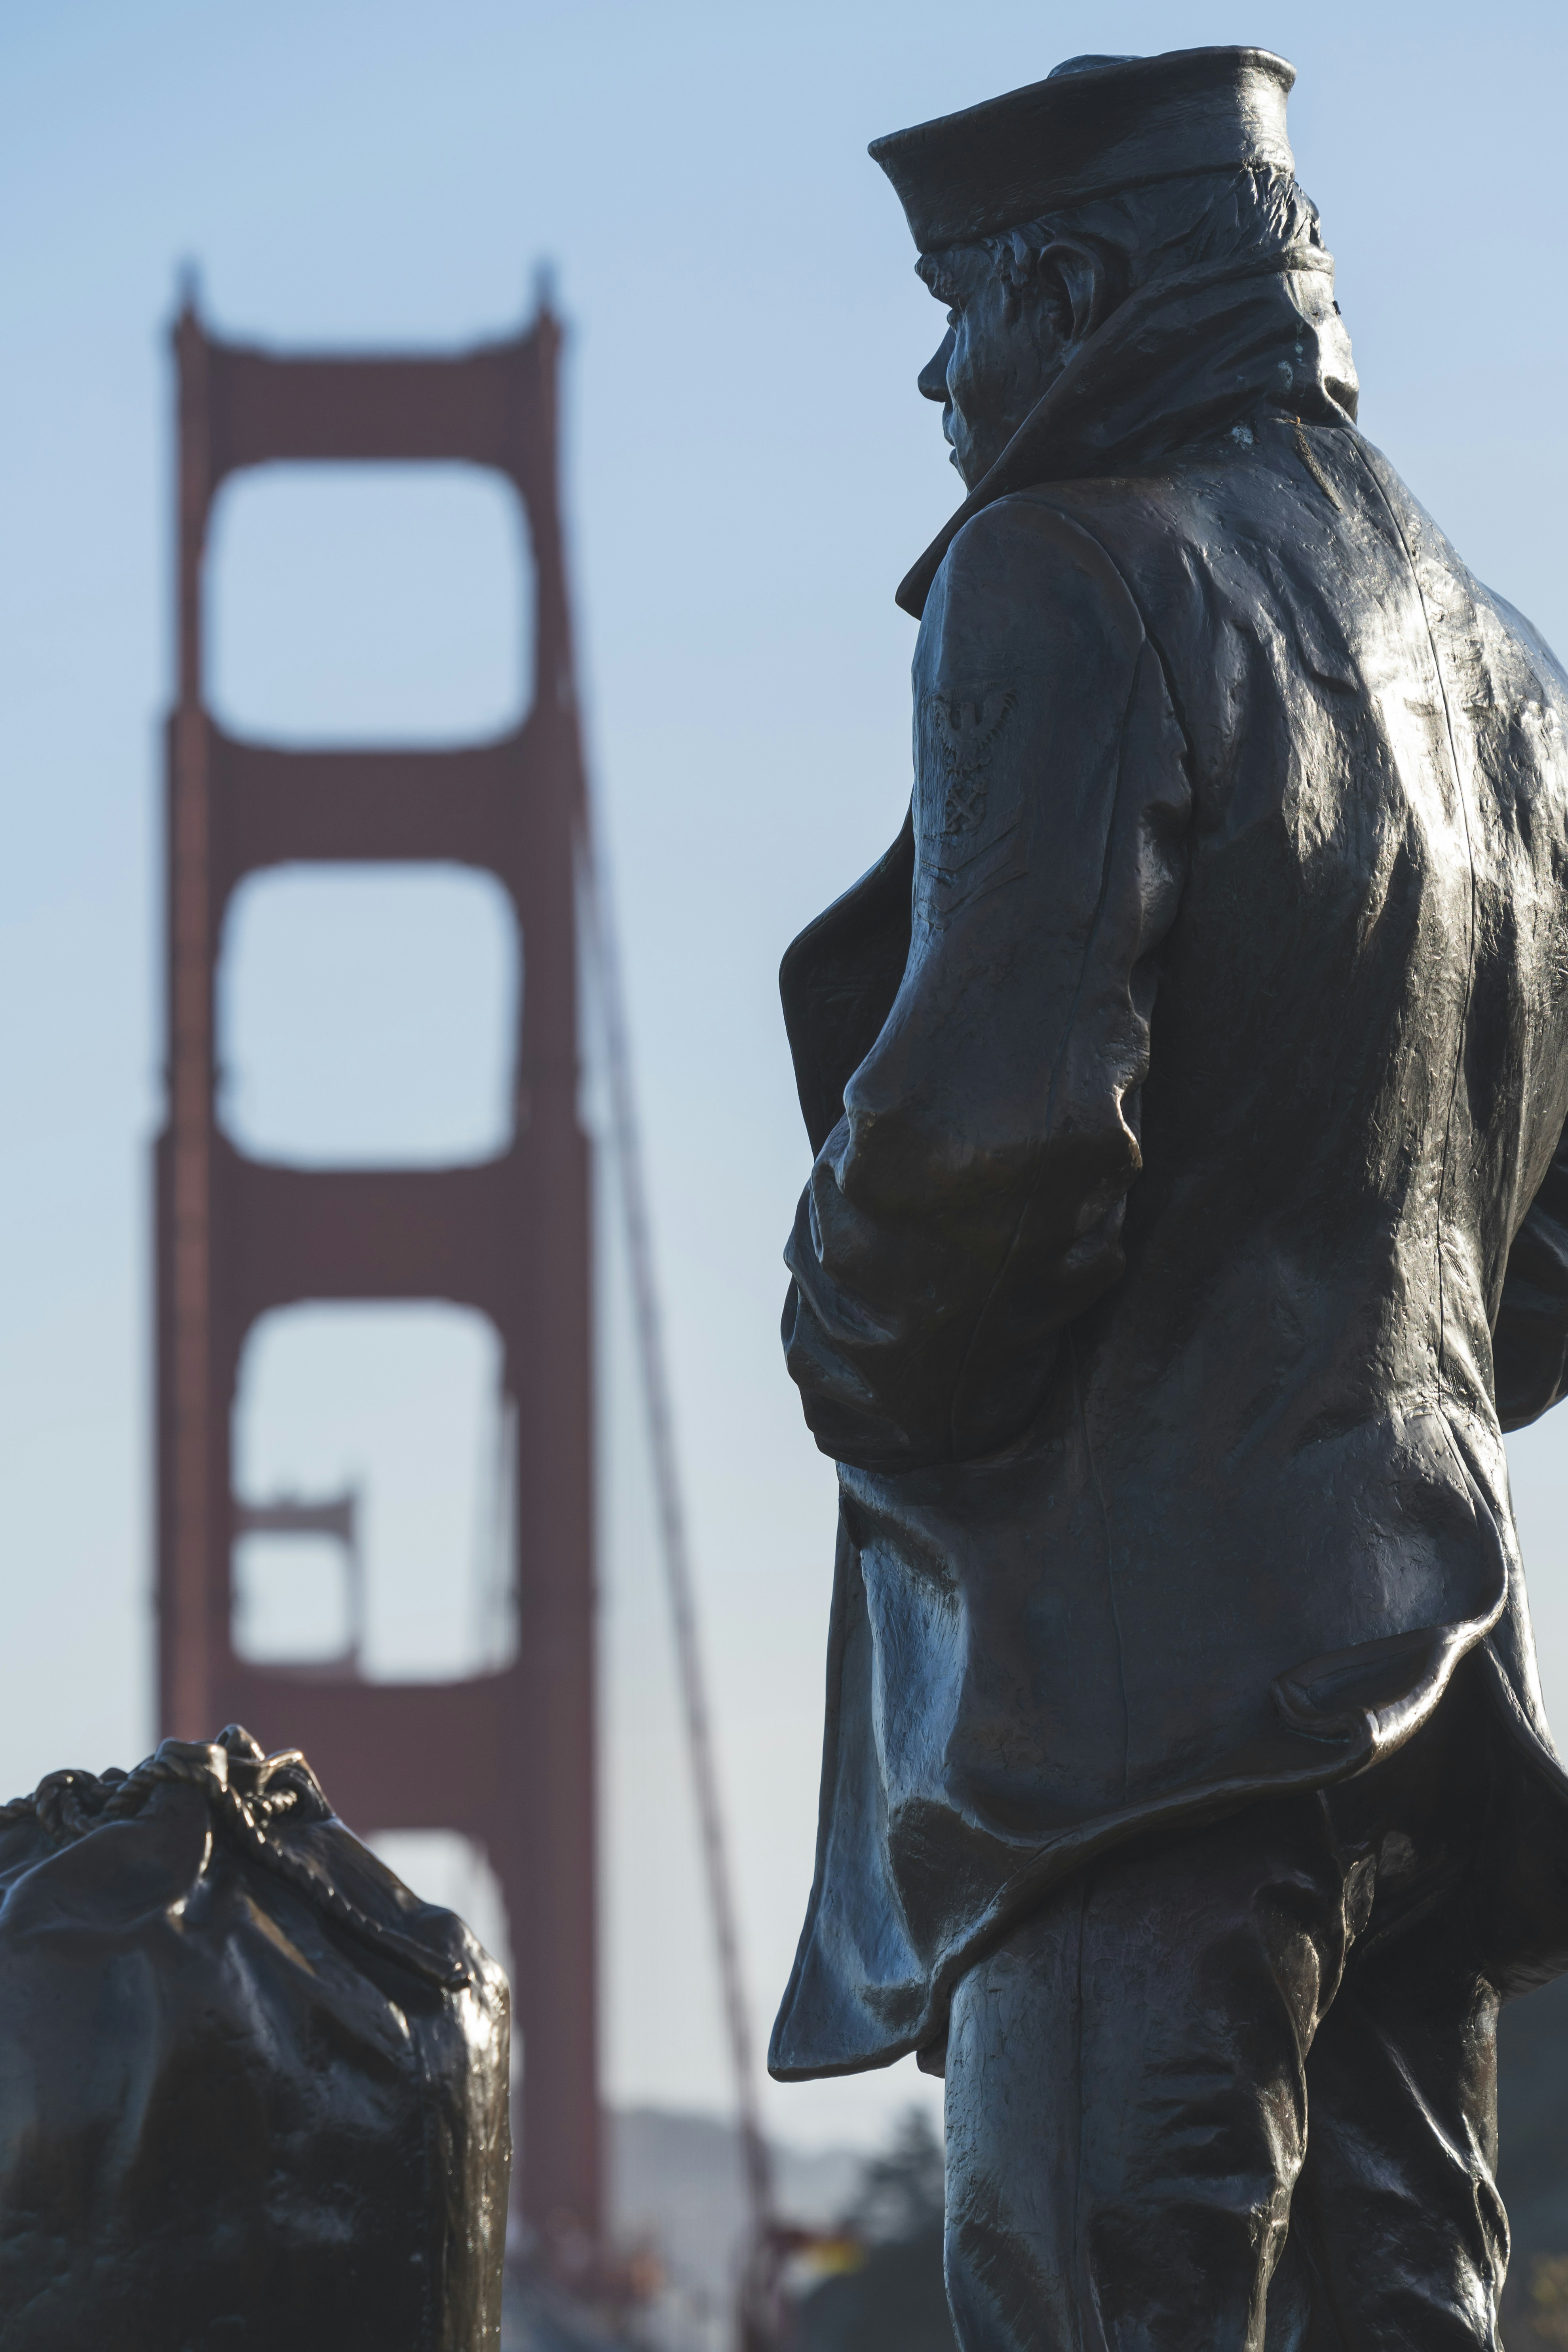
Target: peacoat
{"type": "Point", "coordinates": [1190, 1210]}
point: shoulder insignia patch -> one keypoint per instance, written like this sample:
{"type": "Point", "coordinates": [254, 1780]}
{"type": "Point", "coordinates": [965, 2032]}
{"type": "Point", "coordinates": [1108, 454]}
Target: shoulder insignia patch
{"type": "Point", "coordinates": [967, 817]}
{"type": "Point", "coordinates": [965, 733]}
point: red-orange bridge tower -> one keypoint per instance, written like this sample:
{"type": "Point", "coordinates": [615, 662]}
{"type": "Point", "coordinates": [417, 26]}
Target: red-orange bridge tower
{"type": "Point", "coordinates": [506, 1757]}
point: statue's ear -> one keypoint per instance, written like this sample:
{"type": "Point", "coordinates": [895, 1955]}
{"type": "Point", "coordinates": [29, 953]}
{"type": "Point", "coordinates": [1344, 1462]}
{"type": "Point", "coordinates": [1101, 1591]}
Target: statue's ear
{"type": "Point", "coordinates": [1076, 285]}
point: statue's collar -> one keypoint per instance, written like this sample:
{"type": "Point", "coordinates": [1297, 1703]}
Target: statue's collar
{"type": "Point", "coordinates": [1180, 358]}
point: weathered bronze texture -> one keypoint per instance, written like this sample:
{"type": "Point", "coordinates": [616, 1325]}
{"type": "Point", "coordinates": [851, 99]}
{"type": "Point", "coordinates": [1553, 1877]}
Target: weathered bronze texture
{"type": "Point", "coordinates": [1189, 1219]}
{"type": "Point", "coordinates": [252, 2090]}
{"type": "Point", "coordinates": [507, 1756]}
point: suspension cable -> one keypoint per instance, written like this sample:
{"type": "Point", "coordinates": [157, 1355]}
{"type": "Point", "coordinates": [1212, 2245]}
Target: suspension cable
{"type": "Point", "coordinates": [673, 1542]}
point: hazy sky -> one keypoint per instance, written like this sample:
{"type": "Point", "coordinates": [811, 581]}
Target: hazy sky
{"type": "Point", "coordinates": [750, 472]}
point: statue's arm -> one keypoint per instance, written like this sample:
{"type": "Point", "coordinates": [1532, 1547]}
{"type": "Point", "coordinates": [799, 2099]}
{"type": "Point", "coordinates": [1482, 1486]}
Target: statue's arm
{"type": "Point", "coordinates": [1529, 1344]}
{"type": "Point", "coordinates": [968, 1201]}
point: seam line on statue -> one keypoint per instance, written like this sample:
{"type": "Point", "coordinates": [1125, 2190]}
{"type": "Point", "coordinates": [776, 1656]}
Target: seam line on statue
{"type": "Point", "coordinates": [1470, 860]}
{"type": "Point", "coordinates": [1072, 524]}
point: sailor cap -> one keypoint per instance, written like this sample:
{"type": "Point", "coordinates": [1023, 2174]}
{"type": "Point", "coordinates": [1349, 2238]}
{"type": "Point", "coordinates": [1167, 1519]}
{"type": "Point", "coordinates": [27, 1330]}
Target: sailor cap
{"type": "Point", "coordinates": [1093, 126]}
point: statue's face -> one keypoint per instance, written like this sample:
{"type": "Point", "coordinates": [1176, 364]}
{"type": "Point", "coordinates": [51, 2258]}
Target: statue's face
{"type": "Point", "coordinates": [1003, 348]}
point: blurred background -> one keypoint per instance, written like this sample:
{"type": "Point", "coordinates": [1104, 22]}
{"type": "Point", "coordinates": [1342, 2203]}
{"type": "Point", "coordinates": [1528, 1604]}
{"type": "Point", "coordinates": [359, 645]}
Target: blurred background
{"type": "Point", "coordinates": [748, 474]}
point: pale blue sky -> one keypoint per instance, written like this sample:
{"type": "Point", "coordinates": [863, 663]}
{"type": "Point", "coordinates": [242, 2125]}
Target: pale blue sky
{"type": "Point", "coordinates": [750, 473]}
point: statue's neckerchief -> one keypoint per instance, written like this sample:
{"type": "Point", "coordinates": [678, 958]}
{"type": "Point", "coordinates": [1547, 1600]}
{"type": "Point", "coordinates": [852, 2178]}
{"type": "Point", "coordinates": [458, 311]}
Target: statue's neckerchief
{"type": "Point", "coordinates": [1180, 358]}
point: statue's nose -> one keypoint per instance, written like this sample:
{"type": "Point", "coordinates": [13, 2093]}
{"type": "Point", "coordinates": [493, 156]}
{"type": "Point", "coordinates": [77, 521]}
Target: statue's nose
{"type": "Point", "coordinates": [932, 377]}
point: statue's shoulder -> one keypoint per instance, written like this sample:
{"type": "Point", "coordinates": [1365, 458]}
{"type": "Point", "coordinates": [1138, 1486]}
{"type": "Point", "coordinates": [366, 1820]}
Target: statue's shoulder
{"type": "Point", "coordinates": [1258, 516]}
{"type": "Point", "coordinates": [1178, 513]}
{"type": "Point", "coordinates": [1032, 529]}
{"type": "Point", "coordinates": [1019, 560]}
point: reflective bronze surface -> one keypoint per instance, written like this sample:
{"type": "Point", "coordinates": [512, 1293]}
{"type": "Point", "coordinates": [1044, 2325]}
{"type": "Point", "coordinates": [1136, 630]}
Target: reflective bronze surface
{"type": "Point", "coordinates": [253, 2091]}
{"type": "Point", "coordinates": [1187, 1085]}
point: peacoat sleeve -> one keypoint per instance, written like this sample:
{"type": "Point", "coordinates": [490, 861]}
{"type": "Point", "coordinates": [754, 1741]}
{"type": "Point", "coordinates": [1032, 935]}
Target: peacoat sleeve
{"type": "Point", "coordinates": [968, 1201]}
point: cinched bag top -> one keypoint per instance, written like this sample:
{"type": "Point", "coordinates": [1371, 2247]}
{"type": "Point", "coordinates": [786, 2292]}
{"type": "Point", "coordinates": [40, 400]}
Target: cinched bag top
{"type": "Point", "coordinates": [252, 1798]}
{"type": "Point", "coordinates": [1093, 126]}
{"type": "Point", "coordinates": [253, 2090]}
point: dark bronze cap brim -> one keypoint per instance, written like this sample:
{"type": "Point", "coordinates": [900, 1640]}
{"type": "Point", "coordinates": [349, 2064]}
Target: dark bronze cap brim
{"type": "Point", "coordinates": [1086, 134]}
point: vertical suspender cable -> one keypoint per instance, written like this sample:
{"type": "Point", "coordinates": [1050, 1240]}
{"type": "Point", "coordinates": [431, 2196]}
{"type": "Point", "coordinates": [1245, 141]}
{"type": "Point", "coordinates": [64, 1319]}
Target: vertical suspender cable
{"type": "Point", "coordinates": [673, 1542]}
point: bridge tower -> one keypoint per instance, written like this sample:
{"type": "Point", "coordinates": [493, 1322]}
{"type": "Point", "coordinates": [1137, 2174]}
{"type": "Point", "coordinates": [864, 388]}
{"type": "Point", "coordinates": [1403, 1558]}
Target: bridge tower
{"type": "Point", "coordinates": [506, 1757]}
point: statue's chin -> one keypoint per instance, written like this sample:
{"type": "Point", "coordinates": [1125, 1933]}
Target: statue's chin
{"type": "Point", "coordinates": [969, 466]}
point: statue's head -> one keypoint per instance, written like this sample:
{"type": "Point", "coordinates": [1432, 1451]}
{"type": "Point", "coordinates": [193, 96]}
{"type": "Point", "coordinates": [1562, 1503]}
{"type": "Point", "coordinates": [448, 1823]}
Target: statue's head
{"type": "Point", "coordinates": [1038, 214]}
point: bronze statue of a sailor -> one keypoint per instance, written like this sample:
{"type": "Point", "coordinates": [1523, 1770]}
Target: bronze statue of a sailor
{"type": "Point", "coordinates": [1189, 1219]}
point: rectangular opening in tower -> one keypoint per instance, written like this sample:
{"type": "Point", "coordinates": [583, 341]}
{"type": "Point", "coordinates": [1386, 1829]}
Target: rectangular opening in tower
{"type": "Point", "coordinates": [368, 1015]}
{"type": "Point", "coordinates": [368, 603]}
{"type": "Point", "coordinates": [399, 1407]}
